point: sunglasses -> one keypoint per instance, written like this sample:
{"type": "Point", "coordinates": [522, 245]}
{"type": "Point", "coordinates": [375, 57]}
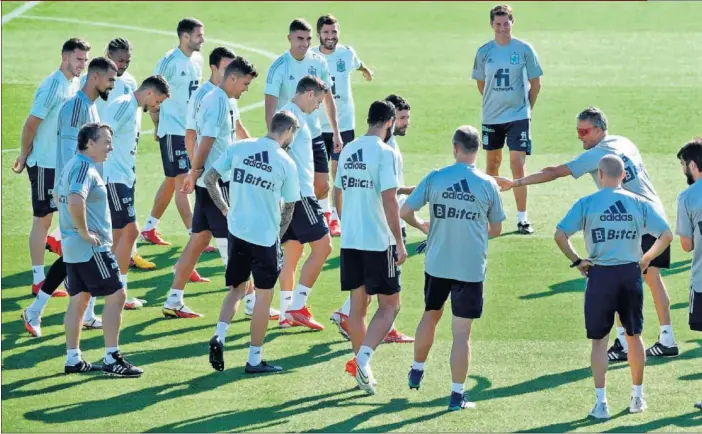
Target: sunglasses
{"type": "Point", "coordinates": [582, 132]}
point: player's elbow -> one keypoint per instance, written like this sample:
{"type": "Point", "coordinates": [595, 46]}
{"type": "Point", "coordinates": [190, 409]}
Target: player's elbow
{"type": "Point", "coordinates": [495, 230]}
{"type": "Point", "coordinates": [405, 212]}
{"type": "Point", "coordinates": [559, 236]}
{"type": "Point", "coordinates": [687, 244]}
{"type": "Point", "coordinates": [667, 237]}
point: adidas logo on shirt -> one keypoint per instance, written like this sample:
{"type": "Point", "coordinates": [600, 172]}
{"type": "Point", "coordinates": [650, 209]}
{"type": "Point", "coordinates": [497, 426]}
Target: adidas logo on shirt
{"type": "Point", "coordinates": [292, 78]}
{"type": "Point", "coordinates": [259, 161]}
{"type": "Point", "coordinates": [460, 191]}
{"type": "Point", "coordinates": [182, 73]}
{"type": "Point", "coordinates": [616, 213]}
{"type": "Point", "coordinates": [355, 161]}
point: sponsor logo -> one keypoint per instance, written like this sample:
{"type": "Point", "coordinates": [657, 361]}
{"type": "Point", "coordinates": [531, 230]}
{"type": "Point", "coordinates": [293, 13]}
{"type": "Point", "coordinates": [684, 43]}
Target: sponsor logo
{"type": "Point", "coordinates": [259, 161]}
{"type": "Point", "coordinates": [240, 176]}
{"type": "Point", "coordinates": [459, 191]}
{"type": "Point", "coordinates": [616, 213]}
{"type": "Point", "coordinates": [355, 161]}
{"type": "Point", "coordinates": [351, 182]}
{"type": "Point", "coordinates": [442, 211]}
{"type": "Point", "coordinates": [600, 235]}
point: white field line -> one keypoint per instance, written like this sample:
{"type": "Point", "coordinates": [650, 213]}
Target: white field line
{"type": "Point", "coordinates": [19, 11]}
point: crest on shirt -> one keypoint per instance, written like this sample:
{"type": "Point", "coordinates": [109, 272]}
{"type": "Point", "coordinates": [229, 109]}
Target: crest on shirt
{"type": "Point", "coordinates": [312, 71]}
{"type": "Point", "coordinates": [514, 59]}
{"type": "Point", "coordinates": [340, 65]}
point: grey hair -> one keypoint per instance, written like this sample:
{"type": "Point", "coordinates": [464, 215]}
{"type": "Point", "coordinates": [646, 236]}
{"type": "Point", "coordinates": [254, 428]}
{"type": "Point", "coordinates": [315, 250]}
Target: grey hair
{"type": "Point", "coordinates": [595, 116]}
{"type": "Point", "coordinates": [612, 166]}
{"type": "Point", "coordinates": [467, 139]}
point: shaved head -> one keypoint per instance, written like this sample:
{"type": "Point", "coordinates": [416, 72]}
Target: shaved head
{"type": "Point", "coordinates": [612, 167]}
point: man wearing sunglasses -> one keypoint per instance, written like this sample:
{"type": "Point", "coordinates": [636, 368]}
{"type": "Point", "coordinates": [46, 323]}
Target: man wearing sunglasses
{"type": "Point", "coordinates": [592, 131]}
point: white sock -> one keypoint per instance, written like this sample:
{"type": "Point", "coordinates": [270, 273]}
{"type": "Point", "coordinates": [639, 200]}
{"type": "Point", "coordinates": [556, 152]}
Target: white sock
{"type": "Point", "coordinates": [90, 311]}
{"type": "Point", "coordinates": [223, 246]}
{"type": "Point", "coordinates": [56, 234]}
{"type": "Point", "coordinates": [108, 354]}
{"type": "Point", "coordinates": [175, 297]}
{"type": "Point", "coordinates": [123, 279]}
{"type": "Point", "coordinates": [250, 301]}
{"type": "Point", "coordinates": [346, 308]}
{"type": "Point", "coordinates": [134, 250]}
{"type": "Point", "coordinates": [522, 216]}
{"type": "Point", "coordinates": [39, 302]}
{"type": "Point", "coordinates": [418, 366]}
{"type": "Point", "coordinates": [221, 331]}
{"type": "Point", "coordinates": [600, 394]}
{"type": "Point", "coordinates": [255, 355]}
{"type": "Point", "coordinates": [457, 388]}
{"type": "Point", "coordinates": [151, 223]}
{"type": "Point", "coordinates": [621, 335]}
{"type": "Point", "coordinates": [73, 356]}
{"type": "Point", "coordinates": [324, 204]}
{"type": "Point", "coordinates": [300, 299]}
{"type": "Point", "coordinates": [666, 336]}
{"type": "Point", "coordinates": [363, 357]}
{"type": "Point", "coordinates": [335, 216]}
{"type": "Point", "coordinates": [37, 274]}
{"type": "Point", "coordinates": [637, 391]}
{"type": "Point", "coordinates": [285, 300]}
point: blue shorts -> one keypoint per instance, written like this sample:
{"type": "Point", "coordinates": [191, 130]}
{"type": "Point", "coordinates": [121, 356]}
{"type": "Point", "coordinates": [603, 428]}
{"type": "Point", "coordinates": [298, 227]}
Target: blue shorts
{"type": "Point", "coordinates": [99, 276]}
{"type": "Point", "coordinates": [121, 200]}
{"type": "Point", "coordinates": [174, 156]}
{"type": "Point", "coordinates": [466, 297]}
{"type": "Point", "coordinates": [516, 134]}
{"type": "Point", "coordinates": [308, 223]}
{"type": "Point", "coordinates": [376, 271]}
{"type": "Point", "coordinates": [206, 215]}
{"type": "Point", "coordinates": [346, 138]}
{"type": "Point", "coordinates": [41, 181]}
{"type": "Point", "coordinates": [319, 155]}
{"type": "Point", "coordinates": [246, 259]}
{"type": "Point", "coordinates": [610, 290]}
{"type": "Point", "coordinates": [695, 310]}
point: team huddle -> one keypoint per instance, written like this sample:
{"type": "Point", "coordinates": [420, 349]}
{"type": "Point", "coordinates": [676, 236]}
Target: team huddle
{"type": "Point", "coordinates": [311, 178]}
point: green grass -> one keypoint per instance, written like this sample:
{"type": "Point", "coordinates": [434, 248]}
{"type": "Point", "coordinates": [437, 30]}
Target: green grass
{"type": "Point", "coordinates": [530, 370]}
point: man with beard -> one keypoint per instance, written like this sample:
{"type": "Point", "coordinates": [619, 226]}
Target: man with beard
{"type": "Point", "coordinates": [342, 60]}
{"type": "Point", "coordinates": [182, 68]}
{"type": "Point", "coordinates": [592, 131]}
{"type": "Point", "coordinates": [38, 152]}
{"type": "Point", "coordinates": [689, 225]}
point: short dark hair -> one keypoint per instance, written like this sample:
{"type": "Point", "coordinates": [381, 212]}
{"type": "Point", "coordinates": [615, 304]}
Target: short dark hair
{"type": "Point", "coordinates": [91, 131]}
{"type": "Point", "coordinates": [300, 24]}
{"type": "Point", "coordinates": [101, 64]}
{"type": "Point", "coordinates": [187, 25]}
{"type": "Point", "coordinates": [220, 53]}
{"type": "Point", "coordinates": [467, 138]}
{"type": "Point", "coordinates": [75, 43]}
{"type": "Point", "coordinates": [240, 67]}
{"type": "Point", "coordinates": [310, 82]}
{"type": "Point", "coordinates": [326, 20]}
{"type": "Point", "coordinates": [118, 44]}
{"type": "Point", "coordinates": [157, 83]}
{"type": "Point", "coordinates": [692, 151]}
{"type": "Point", "coordinates": [380, 112]}
{"type": "Point", "coordinates": [283, 121]}
{"type": "Point", "coordinates": [501, 11]}
{"type": "Point", "coordinates": [595, 116]}
{"type": "Point", "coordinates": [400, 103]}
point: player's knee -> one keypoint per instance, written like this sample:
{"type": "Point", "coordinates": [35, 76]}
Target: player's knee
{"type": "Point", "coordinates": [323, 247]}
{"type": "Point", "coordinates": [132, 231]}
{"type": "Point", "coordinates": [119, 296]}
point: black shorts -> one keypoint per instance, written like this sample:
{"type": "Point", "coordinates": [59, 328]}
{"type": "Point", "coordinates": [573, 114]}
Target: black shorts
{"type": "Point", "coordinates": [662, 260]}
{"type": "Point", "coordinates": [206, 215]}
{"type": "Point", "coordinates": [377, 271]}
{"type": "Point", "coordinates": [319, 154]}
{"type": "Point", "coordinates": [466, 297]}
{"type": "Point", "coordinates": [346, 138]}
{"type": "Point", "coordinates": [99, 276]}
{"type": "Point", "coordinates": [695, 310]}
{"type": "Point", "coordinates": [404, 235]}
{"type": "Point", "coordinates": [121, 205]}
{"type": "Point", "coordinates": [308, 223]}
{"type": "Point", "coordinates": [42, 184]}
{"type": "Point", "coordinates": [610, 290]}
{"type": "Point", "coordinates": [516, 133]}
{"type": "Point", "coordinates": [174, 156]}
{"type": "Point", "coordinates": [246, 258]}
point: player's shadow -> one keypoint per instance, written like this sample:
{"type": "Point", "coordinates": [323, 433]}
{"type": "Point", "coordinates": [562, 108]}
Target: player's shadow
{"type": "Point", "coordinates": [692, 419]}
{"type": "Point", "coordinates": [17, 280]}
{"type": "Point", "coordinates": [691, 377]}
{"type": "Point", "coordinates": [575, 424]}
{"type": "Point", "coordinates": [138, 400]}
{"type": "Point", "coordinates": [677, 268]}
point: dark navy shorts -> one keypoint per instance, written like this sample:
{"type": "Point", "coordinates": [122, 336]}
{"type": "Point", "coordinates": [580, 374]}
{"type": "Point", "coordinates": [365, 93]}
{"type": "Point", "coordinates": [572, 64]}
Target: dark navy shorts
{"type": "Point", "coordinates": [121, 200]}
{"type": "Point", "coordinates": [174, 156]}
{"type": "Point", "coordinates": [695, 310]}
{"type": "Point", "coordinates": [516, 134]}
{"type": "Point", "coordinates": [662, 260]}
{"type": "Point", "coordinates": [346, 138]}
{"type": "Point", "coordinates": [206, 215]}
{"type": "Point", "coordinates": [610, 290]}
{"type": "Point", "coordinates": [246, 259]}
{"type": "Point", "coordinates": [99, 276]}
{"type": "Point", "coordinates": [319, 155]}
{"type": "Point", "coordinates": [41, 181]}
{"type": "Point", "coordinates": [308, 223]}
{"type": "Point", "coordinates": [466, 297]}
{"type": "Point", "coordinates": [377, 271]}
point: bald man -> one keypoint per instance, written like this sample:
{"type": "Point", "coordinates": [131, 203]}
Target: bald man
{"type": "Point", "coordinates": [613, 221]}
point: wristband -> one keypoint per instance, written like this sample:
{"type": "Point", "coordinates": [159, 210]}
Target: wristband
{"type": "Point", "coordinates": [576, 263]}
